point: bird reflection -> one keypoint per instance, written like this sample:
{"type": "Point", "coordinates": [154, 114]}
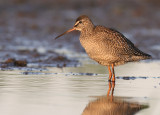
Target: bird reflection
{"type": "Point", "coordinates": [110, 105]}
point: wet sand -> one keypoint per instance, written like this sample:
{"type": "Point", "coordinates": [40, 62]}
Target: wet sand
{"type": "Point", "coordinates": [71, 90]}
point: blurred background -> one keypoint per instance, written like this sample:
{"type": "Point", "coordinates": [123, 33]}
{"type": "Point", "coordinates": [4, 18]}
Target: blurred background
{"type": "Point", "coordinates": [27, 27]}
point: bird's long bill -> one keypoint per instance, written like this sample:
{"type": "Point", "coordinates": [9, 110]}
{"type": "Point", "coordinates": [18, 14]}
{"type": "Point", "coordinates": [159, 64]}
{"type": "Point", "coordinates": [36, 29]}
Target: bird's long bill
{"type": "Point", "coordinates": [70, 30]}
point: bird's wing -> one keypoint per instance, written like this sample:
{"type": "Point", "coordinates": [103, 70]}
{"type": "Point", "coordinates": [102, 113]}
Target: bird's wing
{"type": "Point", "coordinates": [118, 43]}
{"type": "Point", "coordinates": [122, 45]}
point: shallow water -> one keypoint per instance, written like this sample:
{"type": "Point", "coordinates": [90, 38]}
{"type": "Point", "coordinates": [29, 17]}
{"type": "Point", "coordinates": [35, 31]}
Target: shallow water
{"type": "Point", "coordinates": [70, 90]}
{"type": "Point", "coordinates": [59, 78]}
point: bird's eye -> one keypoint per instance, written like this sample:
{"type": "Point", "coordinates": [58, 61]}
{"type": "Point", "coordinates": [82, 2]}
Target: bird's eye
{"type": "Point", "coordinates": [77, 23]}
{"type": "Point", "coordinates": [80, 22]}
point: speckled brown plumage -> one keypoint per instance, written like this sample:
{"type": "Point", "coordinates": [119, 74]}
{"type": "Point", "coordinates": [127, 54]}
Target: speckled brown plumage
{"type": "Point", "coordinates": [105, 45]}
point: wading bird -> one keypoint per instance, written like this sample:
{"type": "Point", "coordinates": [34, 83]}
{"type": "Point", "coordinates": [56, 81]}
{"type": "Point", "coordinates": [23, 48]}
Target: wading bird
{"type": "Point", "coordinates": [105, 45]}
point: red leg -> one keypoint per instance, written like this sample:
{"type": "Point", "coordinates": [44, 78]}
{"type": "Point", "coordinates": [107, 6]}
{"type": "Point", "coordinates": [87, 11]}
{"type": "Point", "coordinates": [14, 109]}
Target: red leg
{"type": "Point", "coordinates": [113, 85]}
{"type": "Point", "coordinates": [109, 89]}
{"type": "Point", "coordinates": [110, 73]}
{"type": "Point", "coordinates": [113, 78]}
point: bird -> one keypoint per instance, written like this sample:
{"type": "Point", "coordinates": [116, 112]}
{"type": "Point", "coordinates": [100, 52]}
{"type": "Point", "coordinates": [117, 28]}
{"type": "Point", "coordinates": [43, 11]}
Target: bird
{"type": "Point", "coordinates": [107, 46]}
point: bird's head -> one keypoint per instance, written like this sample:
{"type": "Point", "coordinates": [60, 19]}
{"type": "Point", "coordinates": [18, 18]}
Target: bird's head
{"type": "Point", "coordinates": [82, 22]}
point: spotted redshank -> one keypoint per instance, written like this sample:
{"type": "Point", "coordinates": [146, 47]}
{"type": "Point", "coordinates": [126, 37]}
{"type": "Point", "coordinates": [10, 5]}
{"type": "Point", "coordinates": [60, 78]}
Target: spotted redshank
{"type": "Point", "coordinates": [105, 45]}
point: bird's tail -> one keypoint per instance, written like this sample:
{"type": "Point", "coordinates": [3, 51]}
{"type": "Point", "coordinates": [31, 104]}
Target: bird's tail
{"type": "Point", "coordinates": [141, 57]}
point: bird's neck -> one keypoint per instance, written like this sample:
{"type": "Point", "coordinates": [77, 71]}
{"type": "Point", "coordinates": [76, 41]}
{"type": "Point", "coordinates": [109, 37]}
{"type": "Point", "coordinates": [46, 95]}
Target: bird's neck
{"type": "Point", "coordinates": [88, 30]}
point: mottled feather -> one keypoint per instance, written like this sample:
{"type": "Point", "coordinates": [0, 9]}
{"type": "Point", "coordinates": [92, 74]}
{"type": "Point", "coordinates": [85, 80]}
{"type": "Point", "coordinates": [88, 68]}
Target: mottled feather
{"type": "Point", "coordinates": [107, 42]}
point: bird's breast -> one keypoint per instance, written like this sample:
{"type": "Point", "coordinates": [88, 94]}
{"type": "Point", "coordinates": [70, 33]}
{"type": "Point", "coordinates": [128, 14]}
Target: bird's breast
{"type": "Point", "coordinates": [88, 43]}
{"type": "Point", "coordinates": [97, 49]}
{"type": "Point", "coordinates": [93, 46]}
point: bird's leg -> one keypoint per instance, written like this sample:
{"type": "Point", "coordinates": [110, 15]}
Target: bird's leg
{"type": "Point", "coordinates": [109, 89]}
{"type": "Point", "coordinates": [110, 73]}
{"type": "Point", "coordinates": [113, 78]}
{"type": "Point", "coordinates": [111, 86]}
